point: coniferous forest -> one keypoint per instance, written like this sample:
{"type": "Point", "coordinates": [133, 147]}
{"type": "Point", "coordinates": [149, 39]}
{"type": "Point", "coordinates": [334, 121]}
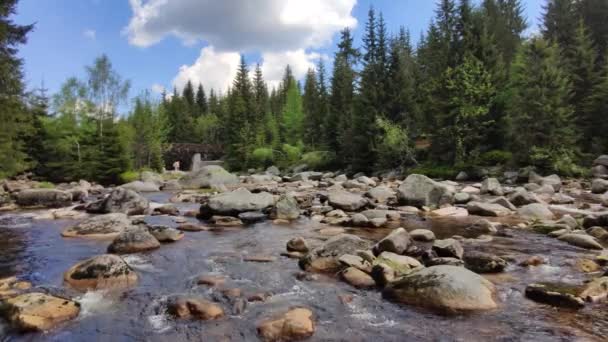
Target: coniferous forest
{"type": "Point", "coordinates": [479, 89]}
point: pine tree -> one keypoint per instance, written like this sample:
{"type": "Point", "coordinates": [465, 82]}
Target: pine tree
{"type": "Point", "coordinates": [595, 17]}
{"type": "Point", "coordinates": [323, 105]}
{"type": "Point", "coordinates": [188, 94]}
{"type": "Point", "coordinates": [401, 102]}
{"type": "Point", "coordinates": [559, 24]}
{"type": "Point", "coordinates": [541, 123]}
{"type": "Point", "coordinates": [595, 110]}
{"type": "Point", "coordinates": [201, 101]}
{"type": "Point", "coordinates": [13, 112]}
{"type": "Point", "coordinates": [311, 107]}
{"type": "Point", "coordinates": [38, 105]}
{"type": "Point", "coordinates": [261, 106]}
{"type": "Point", "coordinates": [238, 123]}
{"type": "Point", "coordinates": [293, 116]}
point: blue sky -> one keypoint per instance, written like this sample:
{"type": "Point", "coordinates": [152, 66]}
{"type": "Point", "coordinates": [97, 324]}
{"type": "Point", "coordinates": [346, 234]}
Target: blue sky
{"type": "Point", "coordinates": [69, 34]}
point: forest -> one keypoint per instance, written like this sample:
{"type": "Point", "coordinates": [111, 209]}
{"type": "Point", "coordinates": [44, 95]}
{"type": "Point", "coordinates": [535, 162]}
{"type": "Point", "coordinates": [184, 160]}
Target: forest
{"type": "Point", "coordinates": [479, 89]}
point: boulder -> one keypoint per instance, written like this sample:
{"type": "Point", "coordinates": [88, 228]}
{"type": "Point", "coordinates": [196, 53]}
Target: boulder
{"type": "Point", "coordinates": [480, 262]}
{"type": "Point", "coordinates": [581, 240]}
{"type": "Point", "coordinates": [208, 177]}
{"type": "Point", "coordinates": [560, 198]}
{"type": "Point", "coordinates": [225, 221]}
{"type": "Point", "coordinates": [167, 209]}
{"type": "Point", "coordinates": [134, 239]}
{"type": "Point", "coordinates": [38, 311]}
{"type": "Point", "coordinates": [140, 186]}
{"type": "Point", "coordinates": [273, 170]}
{"type": "Point", "coordinates": [286, 208]}
{"type": "Point", "coordinates": [359, 220]}
{"type": "Point", "coordinates": [450, 212]}
{"type": "Point", "coordinates": [487, 209]}
{"type": "Point", "coordinates": [535, 211]}
{"type": "Point", "coordinates": [325, 258]}
{"type": "Point", "coordinates": [400, 264]}
{"type": "Point", "coordinates": [120, 200]}
{"type": "Point", "coordinates": [236, 202]}
{"type": "Point", "coordinates": [346, 200]}
{"type": "Point", "coordinates": [522, 197]}
{"type": "Point", "coordinates": [462, 198]}
{"type": "Point", "coordinates": [448, 248]}
{"type": "Point", "coordinates": [419, 191]}
{"type": "Point", "coordinates": [422, 235]}
{"type": "Point", "coordinates": [599, 186]}
{"type": "Point", "coordinates": [165, 233]}
{"type": "Point", "coordinates": [445, 288]}
{"type": "Point", "coordinates": [482, 226]}
{"type": "Point", "coordinates": [596, 290]}
{"type": "Point", "coordinates": [504, 202]}
{"type": "Point", "coordinates": [357, 278]}
{"type": "Point", "coordinates": [396, 242]}
{"type": "Point", "coordinates": [151, 177]}
{"type": "Point", "coordinates": [297, 244]}
{"type": "Point", "coordinates": [296, 324]}
{"type": "Point", "coordinates": [171, 185]}
{"type": "Point", "coordinates": [101, 272]}
{"type": "Point", "coordinates": [49, 198]}
{"type": "Point", "coordinates": [102, 226]}
{"type": "Point", "coordinates": [555, 294]}
{"type": "Point", "coordinates": [380, 194]}
{"type": "Point", "coordinates": [251, 217]}
{"type": "Point", "coordinates": [192, 307]}
{"type": "Point", "coordinates": [491, 186]}
{"type": "Point", "coordinates": [601, 160]}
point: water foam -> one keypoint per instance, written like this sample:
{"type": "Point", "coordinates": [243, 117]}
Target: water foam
{"type": "Point", "coordinates": [137, 262]}
{"type": "Point", "coordinates": [94, 302]}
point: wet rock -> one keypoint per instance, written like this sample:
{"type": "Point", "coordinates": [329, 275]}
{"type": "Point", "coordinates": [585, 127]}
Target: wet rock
{"type": "Point", "coordinates": [102, 226]}
{"type": "Point", "coordinates": [11, 286]}
{"type": "Point", "coordinates": [596, 290]}
{"type": "Point", "coordinates": [251, 217]}
{"type": "Point", "coordinates": [192, 227]}
{"type": "Point", "coordinates": [568, 221]}
{"type": "Point", "coordinates": [259, 297]}
{"type": "Point", "coordinates": [598, 232]}
{"type": "Point", "coordinates": [101, 272]}
{"type": "Point", "coordinates": [349, 260]}
{"type": "Point", "coordinates": [449, 248]}
{"type": "Point", "coordinates": [400, 264]}
{"type": "Point", "coordinates": [535, 211]}
{"type": "Point", "coordinates": [533, 261]}
{"type": "Point", "coordinates": [550, 228]}
{"type": "Point", "coordinates": [554, 294]}
{"type": "Point", "coordinates": [522, 197]}
{"type": "Point", "coordinates": [479, 262]}
{"type": "Point", "coordinates": [445, 288]}
{"type": "Point", "coordinates": [560, 198]}
{"type": "Point", "coordinates": [225, 221]}
{"type": "Point", "coordinates": [396, 242]}
{"type": "Point", "coordinates": [482, 227]}
{"type": "Point", "coordinates": [422, 235]}
{"type": "Point", "coordinates": [194, 308]}
{"type": "Point", "coordinates": [491, 186]}
{"type": "Point", "coordinates": [346, 200]}
{"type": "Point", "coordinates": [38, 311]}
{"type": "Point", "coordinates": [444, 261]}
{"type": "Point", "coordinates": [462, 198]}
{"type": "Point", "coordinates": [133, 240]}
{"type": "Point", "coordinates": [167, 209]}
{"type": "Point", "coordinates": [140, 186]}
{"type": "Point", "coordinates": [120, 200]}
{"type": "Point", "coordinates": [357, 278]}
{"type": "Point", "coordinates": [207, 177]}
{"type": "Point", "coordinates": [286, 208]}
{"type": "Point", "coordinates": [487, 209]}
{"type": "Point", "coordinates": [165, 233]}
{"type": "Point", "coordinates": [419, 191]}
{"type": "Point", "coordinates": [325, 258]}
{"type": "Point", "coordinates": [259, 258]}
{"type": "Point", "coordinates": [383, 274]}
{"type": "Point", "coordinates": [49, 198]}
{"type": "Point", "coordinates": [236, 202]}
{"type": "Point", "coordinates": [296, 324]}
{"type": "Point", "coordinates": [581, 240]}
{"type": "Point", "coordinates": [381, 194]}
{"type": "Point", "coordinates": [297, 244]}
{"type": "Point", "coordinates": [587, 266]}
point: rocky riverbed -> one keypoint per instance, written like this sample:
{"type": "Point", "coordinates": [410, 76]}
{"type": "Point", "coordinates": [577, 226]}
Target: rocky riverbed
{"type": "Point", "coordinates": [305, 255]}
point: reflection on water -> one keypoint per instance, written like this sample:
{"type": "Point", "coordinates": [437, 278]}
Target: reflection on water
{"type": "Point", "coordinates": [38, 253]}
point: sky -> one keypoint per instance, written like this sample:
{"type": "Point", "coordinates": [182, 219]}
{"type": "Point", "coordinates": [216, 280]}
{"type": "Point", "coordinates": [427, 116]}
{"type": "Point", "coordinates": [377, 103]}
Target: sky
{"type": "Point", "coordinates": [160, 44]}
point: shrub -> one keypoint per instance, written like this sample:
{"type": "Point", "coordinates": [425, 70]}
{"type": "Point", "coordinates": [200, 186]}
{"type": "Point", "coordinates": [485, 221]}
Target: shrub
{"type": "Point", "coordinates": [129, 176]}
{"type": "Point", "coordinates": [495, 157]}
{"type": "Point", "coordinates": [262, 157]}
{"type": "Point", "coordinates": [394, 146]}
{"type": "Point", "coordinates": [561, 161]}
{"type": "Point", "coordinates": [291, 154]}
{"type": "Point", "coordinates": [319, 160]}
{"type": "Point", "coordinates": [434, 171]}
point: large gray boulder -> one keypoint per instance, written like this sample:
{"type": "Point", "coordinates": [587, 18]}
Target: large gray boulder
{"type": "Point", "coordinates": [151, 177]}
{"type": "Point", "coordinates": [207, 177]}
{"type": "Point", "coordinates": [120, 200]}
{"type": "Point", "coordinates": [419, 191]}
{"type": "Point", "coordinates": [235, 202]}
{"type": "Point", "coordinates": [141, 186]}
{"type": "Point", "coordinates": [102, 226]}
{"type": "Point", "coordinates": [325, 258]}
{"type": "Point", "coordinates": [491, 186]}
{"type": "Point", "coordinates": [535, 211]}
{"type": "Point", "coordinates": [487, 209]}
{"type": "Point", "coordinates": [445, 288]}
{"type": "Point", "coordinates": [599, 186]}
{"type": "Point", "coordinates": [345, 200]}
{"type": "Point", "coordinates": [521, 196]}
{"type": "Point", "coordinates": [134, 239]}
{"type": "Point", "coordinates": [380, 194]}
{"type": "Point", "coordinates": [286, 208]}
{"type": "Point", "coordinates": [581, 240]}
{"type": "Point", "coordinates": [396, 242]}
{"type": "Point", "coordinates": [601, 160]}
{"type": "Point", "coordinates": [49, 198]}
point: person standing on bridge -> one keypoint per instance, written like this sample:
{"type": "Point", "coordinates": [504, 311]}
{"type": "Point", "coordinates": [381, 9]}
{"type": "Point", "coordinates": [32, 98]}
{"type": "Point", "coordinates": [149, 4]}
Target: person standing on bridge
{"type": "Point", "coordinates": [176, 165]}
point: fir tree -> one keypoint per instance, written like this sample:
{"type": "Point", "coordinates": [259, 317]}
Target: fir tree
{"type": "Point", "coordinates": [201, 101]}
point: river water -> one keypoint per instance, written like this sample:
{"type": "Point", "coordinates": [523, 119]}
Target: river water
{"type": "Point", "coordinates": [35, 251]}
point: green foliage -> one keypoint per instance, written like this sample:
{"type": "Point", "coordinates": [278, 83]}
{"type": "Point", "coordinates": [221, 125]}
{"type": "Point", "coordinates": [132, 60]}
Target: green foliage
{"type": "Point", "coordinates": [561, 161]}
{"type": "Point", "coordinates": [293, 115]}
{"type": "Point", "coordinates": [319, 160]}
{"type": "Point", "coordinates": [291, 154]}
{"type": "Point", "coordinates": [495, 157]}
{"type": "Point", "coordinates": [435, 171]}
{"type": "Point", "coordinates": [394, 146]}
{"type": "Point", "coordinates": [45, 185]}
{"type": "Point", "coordinates": [262, 157]}
{"type": "Point", "coordinates": [129, 176]}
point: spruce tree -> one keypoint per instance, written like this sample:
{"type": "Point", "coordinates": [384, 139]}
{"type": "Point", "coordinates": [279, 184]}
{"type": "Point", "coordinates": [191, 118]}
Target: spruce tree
{"type": "Point", "coordinates": [293, 116]}
{"type": "Point", "coordinates": [311, 107]}
{"type": "Point", "coordinates": [238, 123]}
{"type": "Point", "coordinates": [201, 101]}
{"type": "Point", "coordinates": [595, 110]}
{"type": "Point", "coordinates": [541, 122]}
{"type": "Point", "coordinates": [595, 17]}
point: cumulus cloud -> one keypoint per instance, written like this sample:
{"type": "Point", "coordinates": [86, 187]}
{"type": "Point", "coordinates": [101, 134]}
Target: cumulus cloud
{"type": "Point", "coordinates": [157, 88]}
{"type": "Point", "coordinates": [274, 64]}
{"type": "Point", "coordinates": [212, 69]}
{"type": "Point", "coordinates": [240, 25]}
{"type": "Point", "coordinates": [89, 34]}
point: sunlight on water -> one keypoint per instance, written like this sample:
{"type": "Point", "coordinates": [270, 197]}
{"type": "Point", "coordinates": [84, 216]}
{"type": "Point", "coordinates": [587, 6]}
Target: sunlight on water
{"type": "Point", "coordinates": [137, 262]}
{"type": "Point", "coordinates": [94, 302]}
{"type": "Point", "coordinates": [160, 323]}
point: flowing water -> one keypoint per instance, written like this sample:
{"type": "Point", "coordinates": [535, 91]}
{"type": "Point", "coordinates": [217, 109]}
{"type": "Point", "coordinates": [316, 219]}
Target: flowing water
{"type": "Point", "coordinates": [34, 250]}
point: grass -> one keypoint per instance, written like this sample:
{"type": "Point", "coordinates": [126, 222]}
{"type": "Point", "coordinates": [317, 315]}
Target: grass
{"type": "Point", "coordinates": [45, 185]}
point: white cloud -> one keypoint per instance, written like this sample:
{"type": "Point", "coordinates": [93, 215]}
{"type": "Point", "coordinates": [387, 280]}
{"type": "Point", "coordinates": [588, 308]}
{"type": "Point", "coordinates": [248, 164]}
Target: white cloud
{"type": "Point", "coordinates": [240, 25]}
{"type": "Point", "coordinates": [157, 88]}
{"type": "Point", "coordinates": [89, 34]}
{"type": "Point", "coordinates": [213, 69]}
{"type": "Point", "coordinates": [274, 64]}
